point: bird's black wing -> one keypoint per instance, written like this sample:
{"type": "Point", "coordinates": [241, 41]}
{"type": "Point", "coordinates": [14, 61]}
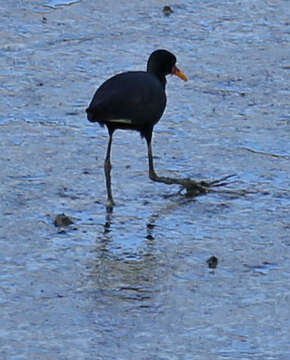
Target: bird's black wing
{"type": "Point", "coordinates": [135, 97]}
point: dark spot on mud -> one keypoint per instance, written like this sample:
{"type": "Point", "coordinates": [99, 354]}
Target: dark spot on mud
{"type": "Point", "coordinates": [71, 113]}
{"type": "Point", "coordinates": [212, 262]}
{"type": "Point", "coordinates": [167, 11]}
{"type": "Point", "coordinates": [62, 220]}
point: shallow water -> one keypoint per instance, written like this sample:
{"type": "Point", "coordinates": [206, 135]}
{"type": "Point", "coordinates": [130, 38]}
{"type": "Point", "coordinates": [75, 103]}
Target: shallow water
{"type": "Point", "coordinates": [135, 284]}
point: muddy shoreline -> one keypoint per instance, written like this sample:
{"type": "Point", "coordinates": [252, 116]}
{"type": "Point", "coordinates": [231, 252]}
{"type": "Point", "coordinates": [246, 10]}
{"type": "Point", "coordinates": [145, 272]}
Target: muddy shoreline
{"type": "Point", "coordinates": [136, 283]}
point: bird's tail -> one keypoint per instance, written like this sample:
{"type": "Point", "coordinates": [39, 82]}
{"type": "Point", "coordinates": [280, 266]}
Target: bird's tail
{"type": "Point", "coordinates": [90, 115]}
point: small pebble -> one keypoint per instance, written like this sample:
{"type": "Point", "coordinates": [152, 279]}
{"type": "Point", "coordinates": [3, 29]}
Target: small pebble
{"type": "Point", "coordinates": [62, 220]}
{"type": "Point", "coordinates": [167, 11]}
{"type": "Point", "coordinates": [212, 262]}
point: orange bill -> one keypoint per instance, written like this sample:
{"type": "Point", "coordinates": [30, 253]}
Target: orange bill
{"type": "Point", "coordinates": [177, 72]}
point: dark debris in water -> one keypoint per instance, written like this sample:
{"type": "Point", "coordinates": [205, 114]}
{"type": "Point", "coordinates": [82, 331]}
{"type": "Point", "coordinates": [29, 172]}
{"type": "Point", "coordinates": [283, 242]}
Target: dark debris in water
{"type": "Point", "coordinates": [62, 220]}
{"type": "Point", "coordinates": [72, 113]}
{"type": "Point", "coordinates": [167, 11]}
{"type": "Point", "coordinates": [263, 268]}
{"type": "Point", "coordinates": [212, 262]}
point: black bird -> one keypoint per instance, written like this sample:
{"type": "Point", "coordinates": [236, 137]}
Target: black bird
{"type": "Point", "coordinates": [133, 100]}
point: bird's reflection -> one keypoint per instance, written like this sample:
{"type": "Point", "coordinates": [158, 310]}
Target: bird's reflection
{"type": "Point", "coordinates": [127, 270]}
{"type": "Point", "coordinates": [150, 227]}
{"type": "Point", "coordinates": [108, 221]}
{"type": "Point", "coordinates": [151, 222]}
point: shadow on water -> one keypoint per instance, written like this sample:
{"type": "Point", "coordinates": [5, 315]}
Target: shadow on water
{"type": "Point", "coordinates": [182, 198]}
{"type": "Point", "coordinates": [150, 224]}
{"type": "Point", "coordinates": [125, 277]}
{"type": "Point", "coordinates": [132, 276]}
{"type": "Point", "coordinates": [130, 263]}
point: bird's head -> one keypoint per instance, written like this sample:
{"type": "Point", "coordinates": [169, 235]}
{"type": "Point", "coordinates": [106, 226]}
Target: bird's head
{"type": "Point", "coordinates": [162, 63]}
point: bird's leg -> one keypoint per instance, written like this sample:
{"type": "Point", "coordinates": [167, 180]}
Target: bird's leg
{"type": "Point", "coordinates": [192, 186]}
{"type": "Point", "coordinates": [152, 174]}
{"type": "Point", "coordinates": [108, 167]}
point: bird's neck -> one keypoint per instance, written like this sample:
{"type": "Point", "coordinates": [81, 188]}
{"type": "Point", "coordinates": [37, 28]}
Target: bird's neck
{"type": "Point", "coordinates": [160, 77]}
{"type": "Point", "coordinates": [153, 69]}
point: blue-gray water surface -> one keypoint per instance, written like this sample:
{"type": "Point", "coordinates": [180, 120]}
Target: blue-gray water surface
{"type": "Point", "coordinates": [135, 283]}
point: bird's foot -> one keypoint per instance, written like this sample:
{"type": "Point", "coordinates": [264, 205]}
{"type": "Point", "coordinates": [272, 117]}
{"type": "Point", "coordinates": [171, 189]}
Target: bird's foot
{"type": "Point", "coordinates": [194, 188]}
{"type": "Point", "coordinates": [153, 176]}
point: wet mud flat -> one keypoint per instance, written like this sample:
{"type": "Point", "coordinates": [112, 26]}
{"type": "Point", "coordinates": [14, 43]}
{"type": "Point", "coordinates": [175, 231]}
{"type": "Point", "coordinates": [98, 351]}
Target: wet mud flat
{"type": "Point", "coordinates": [163, 276]}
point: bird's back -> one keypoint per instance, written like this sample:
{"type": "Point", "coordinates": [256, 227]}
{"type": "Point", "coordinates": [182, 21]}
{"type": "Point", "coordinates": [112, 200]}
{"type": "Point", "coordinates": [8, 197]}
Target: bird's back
{"type": "Point", "coordinates": [136, 97]}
